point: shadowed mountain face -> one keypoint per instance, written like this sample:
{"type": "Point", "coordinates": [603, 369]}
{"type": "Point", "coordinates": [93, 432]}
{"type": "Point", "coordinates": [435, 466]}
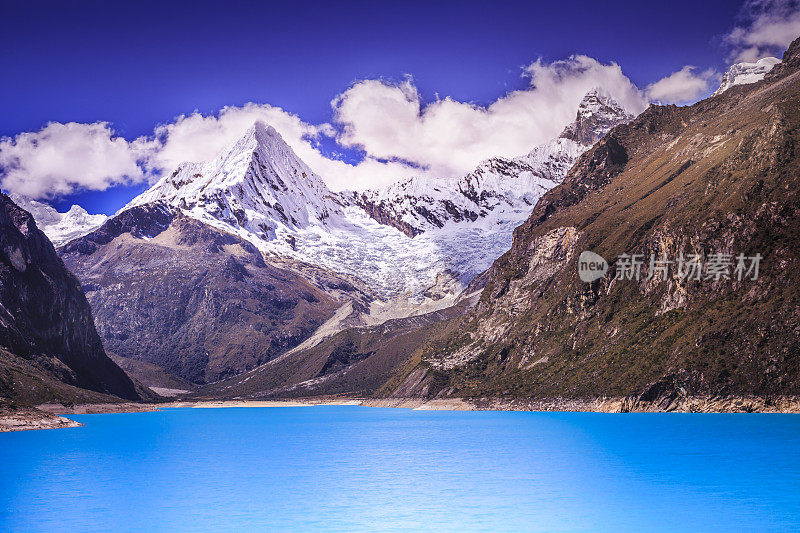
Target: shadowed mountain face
{"type": "Point", "coordinates": [48, 340]}
{"type": "Point", "coordinates": [201, 303]}
{"type": "Point", "coordinates": [719, 177]}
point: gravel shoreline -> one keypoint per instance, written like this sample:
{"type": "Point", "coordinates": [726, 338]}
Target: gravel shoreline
{"type": "Point", "coordinates": [49, 416]}
{"type": "Point", "coordinates": [26, 419]}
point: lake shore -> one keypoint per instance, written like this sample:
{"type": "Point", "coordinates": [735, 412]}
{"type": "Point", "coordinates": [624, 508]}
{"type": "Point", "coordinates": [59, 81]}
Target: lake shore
{"type": "Point", "coordinates": [51, 416]}
{"type": "Point", "coordinates": [733, 404]}
{"type": "Point", "coordinates": [25, 419]}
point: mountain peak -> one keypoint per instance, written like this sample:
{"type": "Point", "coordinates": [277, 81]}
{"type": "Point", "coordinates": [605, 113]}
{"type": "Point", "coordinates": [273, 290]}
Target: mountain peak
{"type": "Point", "coordinates": [258, 137]}
{"type": "Point", "coordinates": [744, 73]}
{"type": "Point", "coordinates": [59, 227]}
{"type": "Point", "coordinates": [257, 184]}
{"type": "Point", "coordinates": [596, 115]}
{"type": "Point", "coordinates": [500, 189]}
{"type": "Point", "coordinates": [263, 133]}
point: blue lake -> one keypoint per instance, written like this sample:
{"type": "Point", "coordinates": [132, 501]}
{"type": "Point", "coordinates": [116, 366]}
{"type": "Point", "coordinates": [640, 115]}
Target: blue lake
{"type": "Point", "coordinates": [355, 468]}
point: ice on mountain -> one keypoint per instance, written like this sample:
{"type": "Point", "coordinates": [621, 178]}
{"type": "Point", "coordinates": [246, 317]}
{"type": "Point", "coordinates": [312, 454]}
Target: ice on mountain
{"type": "Point", "coordinates": [401, 240]}
{"type": "Point", "coordinates": [59, 227]}
{"type": "Point", "coordinates": [745, 73]}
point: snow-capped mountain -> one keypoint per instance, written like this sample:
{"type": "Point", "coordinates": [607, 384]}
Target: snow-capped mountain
{"type": "Point", "coordinates": [257, 184]}
{"type": "Point", "coordinates": [744, 73]}
{"type": "Point", "coordinates": [597, 114]}
{"type": "Point", "coordinates": [59, 227]}
{"type": "Point", "coordinates": [421, 239]}
{"type": "Point", "coordinates": [421, 204]}
{"type": "Point", "coordinates": [512, 185]}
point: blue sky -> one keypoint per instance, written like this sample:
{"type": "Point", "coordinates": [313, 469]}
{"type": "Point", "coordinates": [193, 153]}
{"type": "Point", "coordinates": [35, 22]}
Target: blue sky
{"type": "Point", "coordinates": [141, 64]}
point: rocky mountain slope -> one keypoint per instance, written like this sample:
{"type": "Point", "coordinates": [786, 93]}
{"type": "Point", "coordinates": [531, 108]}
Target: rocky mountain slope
{"type": "Point", "coordinates": [357, 361]}
{"type": "Point", "coordinates": [201, 303]}
{"type": "Point", "coordinates": [60, 228]}
{"type": "Point", "coordinates": [718, 177]}
{"type": "Point", "coordinates": [49, 348]}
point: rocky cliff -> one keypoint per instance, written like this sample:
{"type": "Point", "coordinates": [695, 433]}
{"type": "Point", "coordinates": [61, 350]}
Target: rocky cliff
{"type": "Point", "coordinates": [49, 347]}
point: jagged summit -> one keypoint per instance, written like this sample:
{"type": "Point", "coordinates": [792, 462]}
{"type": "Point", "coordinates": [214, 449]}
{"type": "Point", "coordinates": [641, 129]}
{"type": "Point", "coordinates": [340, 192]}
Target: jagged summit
{"type": "Point", "coordinates": [257, 183]}
{"type": "Point", "coordinates": [499, 184]}
{"type": "Point", "coordinates": [744, 73]}
{"type": "Point", "coordinates": [258, 189]}
{"type": "Point", "coordinates": [59, 227]}
{"type": "Point", "coordinates": [596, 115]}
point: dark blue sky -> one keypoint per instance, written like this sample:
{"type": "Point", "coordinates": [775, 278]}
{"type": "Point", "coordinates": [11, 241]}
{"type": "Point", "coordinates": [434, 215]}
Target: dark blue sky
{"type": "Point", "coordinates": [143, 63]}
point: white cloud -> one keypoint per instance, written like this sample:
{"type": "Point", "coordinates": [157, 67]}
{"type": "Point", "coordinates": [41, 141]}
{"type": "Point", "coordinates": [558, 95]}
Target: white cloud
{"type": "Point", "coordinates": [767, 29]}
{"type": "Point", "coordinates": [401, 135]}
{"type": "Point", "coordinates": [198, 137]}
{"type": "Point", "coordinates": [682, 86]}
{"type": "Point", "coordinates": [390, 121]}
{"type": "Point", "coordinates": [60, 158]}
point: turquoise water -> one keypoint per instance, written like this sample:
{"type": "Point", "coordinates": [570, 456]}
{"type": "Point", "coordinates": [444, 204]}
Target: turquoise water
{"type": "Point", "coordinates": [357, 468]}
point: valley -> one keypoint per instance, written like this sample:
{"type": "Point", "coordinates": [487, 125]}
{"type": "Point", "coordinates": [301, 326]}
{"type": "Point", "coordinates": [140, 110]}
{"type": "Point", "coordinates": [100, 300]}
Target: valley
{"type": "Point", "coordinates": [244, 278]}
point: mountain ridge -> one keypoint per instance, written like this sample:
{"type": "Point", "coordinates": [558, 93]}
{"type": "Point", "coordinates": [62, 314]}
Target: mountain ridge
{"type": "Point", "coordinates": [419, 204]}
{"type": "Point", "coordinates": [248, 190]}
{"type": "Point", "coordinates": [746, 73]}
{"type": "Point", "coordinates": [60, 228]}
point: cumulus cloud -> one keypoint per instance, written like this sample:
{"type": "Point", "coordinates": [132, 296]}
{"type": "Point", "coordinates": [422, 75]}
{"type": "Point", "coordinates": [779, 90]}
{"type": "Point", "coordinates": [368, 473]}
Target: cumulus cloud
{"type": "Point", "coordinates": [199, 137]}
{"type": "Point", "coordinates": [682, 86]}
{"type": "Point", "coordinates": [60, 158]}
{"type": "Point", "coordinates": [767, 29]}
{"type": "Point", "coordinates": [389, 121]}
{"type": "Point", "coordinates": [399, 134]}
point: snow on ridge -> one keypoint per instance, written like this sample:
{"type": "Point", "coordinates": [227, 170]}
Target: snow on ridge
{"type": "Point", "coordinates": [421, 204]}
{"type": "Point", "coordinates": [60, 228]}
{"type": "Point", "coordinates": [418, 240]}
{"type": "Point", "coordinates": [745, 73]}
